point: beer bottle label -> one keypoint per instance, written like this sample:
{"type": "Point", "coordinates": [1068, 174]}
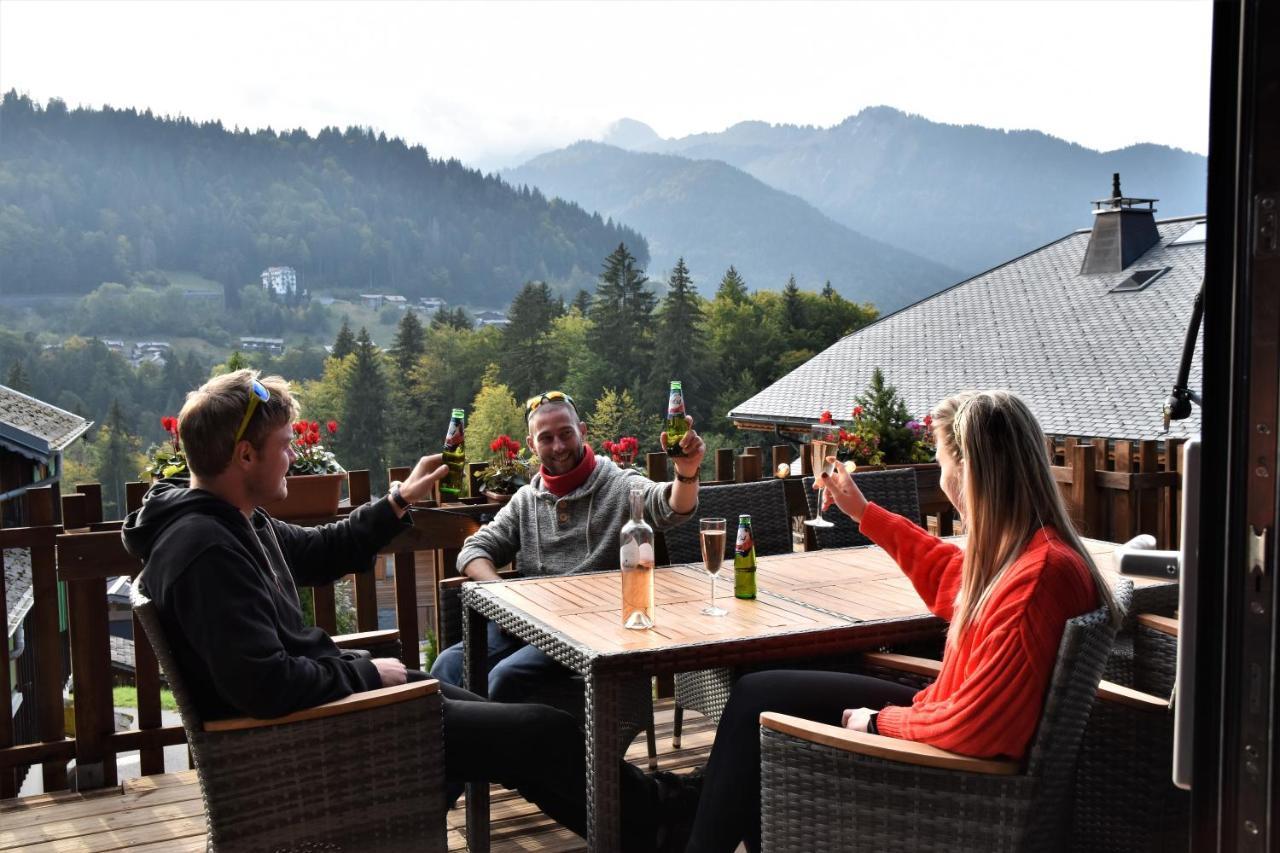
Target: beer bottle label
{"type": "Point", "coordinates": [675, 404]}
{"type": "Point", "coordinates": [454, 438]}
{"type": "Point", "coordinates": [745, 543]}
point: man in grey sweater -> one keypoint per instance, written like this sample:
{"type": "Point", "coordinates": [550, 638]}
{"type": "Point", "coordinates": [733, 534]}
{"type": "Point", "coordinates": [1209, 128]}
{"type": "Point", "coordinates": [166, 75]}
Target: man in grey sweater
{"type": "Point", "coordinates": [566, 520]}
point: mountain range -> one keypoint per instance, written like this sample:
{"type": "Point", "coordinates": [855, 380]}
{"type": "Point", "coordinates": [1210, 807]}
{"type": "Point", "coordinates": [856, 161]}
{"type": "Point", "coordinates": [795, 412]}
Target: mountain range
{"type": "Point", "coordinates": [715, 215]}
{"type": "Point", "coordinates": [965, 196]}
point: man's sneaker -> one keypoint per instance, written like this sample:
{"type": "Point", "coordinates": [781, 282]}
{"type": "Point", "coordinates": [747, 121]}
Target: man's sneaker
{"type": "Point", "coordinates": [678, 795]}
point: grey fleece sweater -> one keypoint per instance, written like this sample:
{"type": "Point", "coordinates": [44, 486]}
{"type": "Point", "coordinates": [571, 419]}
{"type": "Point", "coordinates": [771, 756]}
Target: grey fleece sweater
{"type": "Point", "coordinates": [546, 535]}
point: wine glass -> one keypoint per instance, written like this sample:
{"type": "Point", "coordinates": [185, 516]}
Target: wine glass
{"type": "Point", "coordinates": [824, 440]}
{"type": "Point", "coordinates": [711, 531]}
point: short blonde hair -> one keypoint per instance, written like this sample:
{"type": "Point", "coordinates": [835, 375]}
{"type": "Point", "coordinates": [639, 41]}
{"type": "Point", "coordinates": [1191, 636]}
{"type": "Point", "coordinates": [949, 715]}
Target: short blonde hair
{"type": "Point", "coordinates": [212, 413]}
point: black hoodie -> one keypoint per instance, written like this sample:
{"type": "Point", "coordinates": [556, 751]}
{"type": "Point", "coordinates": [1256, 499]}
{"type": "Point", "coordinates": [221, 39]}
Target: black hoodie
{"type": "Point", "coordinates": [224, 586]}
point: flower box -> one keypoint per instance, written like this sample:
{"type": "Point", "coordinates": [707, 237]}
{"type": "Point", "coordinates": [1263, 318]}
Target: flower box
{"type": "Point", "coordinates": [310, 496]}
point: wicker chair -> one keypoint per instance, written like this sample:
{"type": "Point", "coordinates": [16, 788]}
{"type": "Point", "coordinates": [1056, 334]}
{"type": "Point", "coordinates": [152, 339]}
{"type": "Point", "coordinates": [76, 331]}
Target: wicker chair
{"type": "Point", "coordinates": [893, 490]}
{"type": "Point", "coordinates": [706, 690]}
{"type": "Point", "coordinates": [764, 500]}
{"type": "Point", "coordinates": [825, 788]}
{"type": "Point", "coordinates": [364, 773]}
{"type": "Point", "coordinates": [566, 694]}
{"type": "Point", "coordinates": [1124, 797]}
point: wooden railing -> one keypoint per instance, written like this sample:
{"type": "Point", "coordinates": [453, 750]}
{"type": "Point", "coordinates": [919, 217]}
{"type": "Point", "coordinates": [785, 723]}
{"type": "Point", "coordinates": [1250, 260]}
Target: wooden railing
{"type": "Point", "coordinates": [81, 553]}
{"type": "Point", "coordinates": [1113, 494]}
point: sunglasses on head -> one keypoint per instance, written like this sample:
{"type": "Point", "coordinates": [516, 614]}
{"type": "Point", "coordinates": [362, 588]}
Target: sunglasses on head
{"type": "Point", "coordinates": [260, 394]}
{"type": "Point", "coordinates": [531, 405]}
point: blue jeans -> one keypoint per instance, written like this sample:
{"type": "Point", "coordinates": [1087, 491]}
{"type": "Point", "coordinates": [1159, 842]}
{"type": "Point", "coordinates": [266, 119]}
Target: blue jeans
{"type": "Point", "coordinates": [515, 669]}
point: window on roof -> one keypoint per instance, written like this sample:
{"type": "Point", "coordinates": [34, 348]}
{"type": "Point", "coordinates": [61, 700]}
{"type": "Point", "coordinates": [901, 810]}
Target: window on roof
{"type": "Point", "coordinates": [1194, 234]}
{"type": "Point", "coordinates": [1140, 280]}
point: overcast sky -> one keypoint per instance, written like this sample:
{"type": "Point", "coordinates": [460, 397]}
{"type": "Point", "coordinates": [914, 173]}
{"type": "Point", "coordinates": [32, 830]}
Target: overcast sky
{"type": "Point", "coordinates": [491, 83]}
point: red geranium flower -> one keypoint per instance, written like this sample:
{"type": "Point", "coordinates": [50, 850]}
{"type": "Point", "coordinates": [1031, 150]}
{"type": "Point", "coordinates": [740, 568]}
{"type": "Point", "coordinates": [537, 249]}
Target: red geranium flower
{"type": "Point", "coordinates": [826, 418]}
{"type": "Point", "coordinates": [857, 411]}
{"type": "Point", "coordinates": [333, 427]}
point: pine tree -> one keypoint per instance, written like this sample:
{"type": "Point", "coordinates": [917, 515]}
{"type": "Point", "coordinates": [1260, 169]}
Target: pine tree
{"type": "Point", "coordinates": [238, 361]}
{"type": "Point", "coordinates": [681, 347]}
{"type": "Point", "coordinates": [582, 302]}
{"type": "Point", "coordinates": [732, 287]}
{"type": "Point", "coordinates": [345, 343]}
{"type": "Point", "coordinates": [886, 413]}
{"type": "Point", "coordinates": [115, 461]}
{"type": "Point", "coordinates": [793, 304]}
{"type": "Point", "coordinates": [828, 292]}
{"type": "Point", "coordinates": [526, 357]}
{"type": "Point", "coordinates": [410, 343]}
{"type": "Point", "coordinates": [364, 426]}
{"type": "Point", "coordinates": [622, 321]}
{"type": "Point", "coordinates": [17, 378]}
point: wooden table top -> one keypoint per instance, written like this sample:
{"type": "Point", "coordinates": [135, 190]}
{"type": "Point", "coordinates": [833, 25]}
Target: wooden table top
{"type": "Point", "coordinates": [811, 590]}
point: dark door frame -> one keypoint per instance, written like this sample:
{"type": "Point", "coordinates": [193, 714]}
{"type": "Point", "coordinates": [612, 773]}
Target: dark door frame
{"type": "Point", "coordinates": [1236, 795]}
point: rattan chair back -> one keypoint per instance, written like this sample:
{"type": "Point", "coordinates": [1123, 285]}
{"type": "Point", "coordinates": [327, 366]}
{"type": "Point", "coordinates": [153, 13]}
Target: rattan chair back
{"type": "Point", "coordinates": [764, 500]}
{"type": "Point", "coordinates": [894, 490]}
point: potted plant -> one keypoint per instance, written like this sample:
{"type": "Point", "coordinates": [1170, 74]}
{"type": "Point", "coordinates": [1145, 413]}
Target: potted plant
{"type": "Point", "coordinates": [314, 479]}
{"type": "Point", "coordinates": [167, 459]}
{"type": "Point", "coordinates": [509, 468]}
{"type": "Point", "coordinates": [623, 451]}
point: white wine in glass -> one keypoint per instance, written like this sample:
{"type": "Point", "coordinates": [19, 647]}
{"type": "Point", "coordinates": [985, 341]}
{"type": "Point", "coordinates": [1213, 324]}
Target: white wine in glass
{"type": "Point", "coordinates": [711, 531]}
{"type": "Point", "coordinates": [822, 445]}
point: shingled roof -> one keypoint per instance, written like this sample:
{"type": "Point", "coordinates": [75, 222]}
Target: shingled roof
{"type": "Point", "coordinates": [1088, 361]}
{"type": "Point", "coordinates": [34, 428]}
{"type": "Point", "coordinates": [17, 587]}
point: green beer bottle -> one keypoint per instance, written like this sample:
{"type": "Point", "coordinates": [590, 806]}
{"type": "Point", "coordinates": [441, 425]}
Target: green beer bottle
{"type": "Point", "coordinates": [676, 426]}
{"type": "Point", "coordinates": [453, 486]}
{"type": "Point", "coordinates": [744, 560]}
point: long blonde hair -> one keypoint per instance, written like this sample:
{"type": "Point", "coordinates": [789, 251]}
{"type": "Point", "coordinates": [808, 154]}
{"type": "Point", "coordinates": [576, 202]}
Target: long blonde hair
{"type": "Point", "coordinates": [1010, 493]}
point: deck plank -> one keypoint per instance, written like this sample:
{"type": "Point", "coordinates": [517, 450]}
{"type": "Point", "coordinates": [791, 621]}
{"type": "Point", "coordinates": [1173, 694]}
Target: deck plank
{"type": "Point", "coordinates": [165, 812]}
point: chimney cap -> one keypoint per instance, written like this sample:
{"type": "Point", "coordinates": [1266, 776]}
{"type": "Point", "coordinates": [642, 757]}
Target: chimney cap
{"type": "Point", "coordinates": [1119, 201]}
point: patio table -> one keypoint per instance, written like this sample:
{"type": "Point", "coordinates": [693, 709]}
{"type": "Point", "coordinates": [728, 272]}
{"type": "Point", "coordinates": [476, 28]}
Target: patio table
{"type": "Point", "coordinates": [812, 604]}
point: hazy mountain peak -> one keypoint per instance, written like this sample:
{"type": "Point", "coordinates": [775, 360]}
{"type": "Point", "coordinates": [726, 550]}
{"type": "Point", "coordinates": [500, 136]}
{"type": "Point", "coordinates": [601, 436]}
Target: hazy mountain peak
{"type": "Point", "coordinates": [630, 133]}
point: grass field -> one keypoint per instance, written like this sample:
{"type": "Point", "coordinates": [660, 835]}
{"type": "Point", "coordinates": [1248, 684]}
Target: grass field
{"type": "Point", "coordinates": [127, 697]}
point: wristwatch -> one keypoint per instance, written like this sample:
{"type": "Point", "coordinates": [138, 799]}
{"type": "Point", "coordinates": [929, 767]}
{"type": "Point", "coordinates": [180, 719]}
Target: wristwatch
{"type": "Point", "coordinates": [685, 479]}
{"type": "Point", "coordinates": [396, 497]}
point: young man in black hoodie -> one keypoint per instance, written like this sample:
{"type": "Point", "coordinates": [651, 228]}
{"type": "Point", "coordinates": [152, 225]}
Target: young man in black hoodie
{"type": "Point", "coordinates": [223, 574]}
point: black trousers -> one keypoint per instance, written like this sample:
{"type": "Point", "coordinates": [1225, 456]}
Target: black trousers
{"type": "Point", "coordinates": [540, 752]}
{"type": "Point", "coordinates": [729, 809]}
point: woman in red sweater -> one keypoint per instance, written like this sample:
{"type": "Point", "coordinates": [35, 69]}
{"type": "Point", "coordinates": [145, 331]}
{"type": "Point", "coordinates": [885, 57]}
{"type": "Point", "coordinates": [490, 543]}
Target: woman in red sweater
{"type": "Point", "coordinates": [1007, 596]}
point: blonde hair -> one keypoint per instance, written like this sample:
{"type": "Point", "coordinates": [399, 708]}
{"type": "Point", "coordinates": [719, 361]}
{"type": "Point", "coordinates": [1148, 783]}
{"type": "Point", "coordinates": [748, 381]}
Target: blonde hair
{"type": "Point", "coordinates": [1010, 493]}
{"type": "Point", "coordinates": [212, 413]}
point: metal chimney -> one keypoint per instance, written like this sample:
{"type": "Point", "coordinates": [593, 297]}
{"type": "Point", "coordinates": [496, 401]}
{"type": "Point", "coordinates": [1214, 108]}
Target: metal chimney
{"type": "Point", "coordinates": [1122, 231]}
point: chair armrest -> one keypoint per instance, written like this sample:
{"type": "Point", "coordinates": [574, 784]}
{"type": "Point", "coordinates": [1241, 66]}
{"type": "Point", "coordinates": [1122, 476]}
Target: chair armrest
{"type": "Point", "coordinates": [366, 639]}
{"type": "Point", "coordinates": [904, 663]}
{"type": "Point", "coordinates": [1127, 696]}
{"type": "Point", "coordinates": [356, 702]}
{"type": "Point", "coordinates": [450, 583]}
{"type": "Point", "coordinates": [886, 748]}
{"type": "Point", "coordinates": [1164, 624]}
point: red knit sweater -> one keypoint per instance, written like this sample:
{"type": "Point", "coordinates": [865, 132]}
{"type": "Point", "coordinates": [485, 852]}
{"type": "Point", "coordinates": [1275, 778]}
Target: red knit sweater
{"type": "Point", "coordinates": [989, 694]}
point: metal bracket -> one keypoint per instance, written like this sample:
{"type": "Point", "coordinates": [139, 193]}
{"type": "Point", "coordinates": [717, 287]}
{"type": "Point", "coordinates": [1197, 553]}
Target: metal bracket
{"type": "Point", "coordinates": [1257, 551]}
{"type": "Point", "coordinates": [1266, 235]}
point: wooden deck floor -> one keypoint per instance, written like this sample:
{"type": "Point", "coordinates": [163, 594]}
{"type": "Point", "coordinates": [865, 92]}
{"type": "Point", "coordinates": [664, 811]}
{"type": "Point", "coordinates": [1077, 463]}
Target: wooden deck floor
{"type": "Point", "coordinates": [165, 813]}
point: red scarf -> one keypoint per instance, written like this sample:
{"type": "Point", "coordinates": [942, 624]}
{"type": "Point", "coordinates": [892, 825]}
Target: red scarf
{"type": "Point", "coordinates": [562, 484]}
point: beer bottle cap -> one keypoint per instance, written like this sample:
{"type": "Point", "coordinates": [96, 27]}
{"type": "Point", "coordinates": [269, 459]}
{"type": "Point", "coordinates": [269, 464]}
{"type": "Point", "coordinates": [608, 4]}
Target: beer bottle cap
{"type": "Point", "coordinates": [744, 519]}
{"type": "Point", "coordinates": [458, 413]}
{"type": "Point", "coordinates": [675, 383]}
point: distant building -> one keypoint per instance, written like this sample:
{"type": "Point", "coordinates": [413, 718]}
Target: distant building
{"type": "Point", "coordinates": [1088, 330]}
{"type": "Point", "coordinates": [432, 304]}
{"type": "Point", "coordinates": [113, 345]}
{"type": "Point", "coordinates": [274, 346]}
{"type": "Point", "coordinates": [281, 281]}
{"type": "Point", "coordinates": [371, 300]}
{"type": "Point", "coordinates": [33, 436]}
{"type": "Point", "coordinates": [492, 318]}
{"type": "Point", "coordinates": [394, 301]}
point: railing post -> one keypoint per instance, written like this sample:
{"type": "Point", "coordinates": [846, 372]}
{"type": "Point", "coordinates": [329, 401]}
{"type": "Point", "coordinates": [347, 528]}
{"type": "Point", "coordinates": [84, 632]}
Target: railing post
{"type": "Point", "coordinates": [364, 585]}
{"type": "Point", "coordinates": [93, 501]}
{"type": "Point", "coordinates": [47, 645]}
{"type": "Point", "coordinates": [1172, 464]}
{"type": "Point", "coordinates": [725, 464]}
{"type": "Point", "coordinates": [1148, 499]}
{"type": "Point", "coordinates": [133, 495]}
{"type": "Point", "coordinates": [655, 466]}
{"type": "Point", "coordinates": [779, 454]}
{"type": "Point", "coordinates": [1083, 488]}
{"type": "Point", "coordinates": [1124, 508]}
{"type": "Point", "coordinates": [748, 468]}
